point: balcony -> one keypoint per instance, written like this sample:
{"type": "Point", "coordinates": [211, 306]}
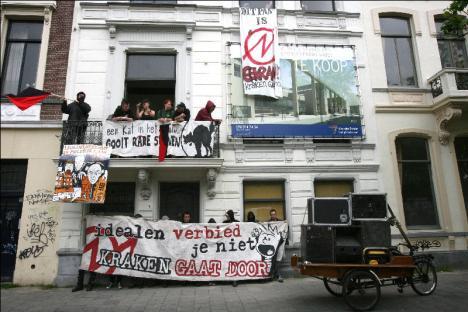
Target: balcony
{"type": "Point", "coordinates": [449, 88]}
{"type": "Point", "coordinates": [91, 132]}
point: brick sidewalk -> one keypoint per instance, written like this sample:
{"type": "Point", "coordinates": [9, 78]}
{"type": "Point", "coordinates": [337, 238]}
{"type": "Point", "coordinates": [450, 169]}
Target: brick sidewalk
{"type": "Point", "coordinates": [295, 294]}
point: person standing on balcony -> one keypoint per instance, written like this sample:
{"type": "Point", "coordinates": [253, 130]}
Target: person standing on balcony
{"type": "Point", "coordinates": [145, 112]}
{"type": "Point", "coordinates": [123, 112]}
{"type": "Point", "coordinates": [204, 114]}
{"type": "Point", "coordinates": [182, 113]}
{"type": "Point", "coordinates": [164, 116]}
{"type": "Point", "coordinates": [78, 112]}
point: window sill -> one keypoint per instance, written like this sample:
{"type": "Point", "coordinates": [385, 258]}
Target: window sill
{"type": "Point", "coordinates": [401, 89]}
{"type": "Point", "coordinates": [53, 124]}
{"type": "Point", "coordinates": [334, 13]}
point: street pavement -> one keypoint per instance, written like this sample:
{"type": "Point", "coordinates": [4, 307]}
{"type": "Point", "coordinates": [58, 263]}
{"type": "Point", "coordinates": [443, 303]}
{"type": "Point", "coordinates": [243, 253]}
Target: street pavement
{"type": "Point", "coordinates": [295, 294]}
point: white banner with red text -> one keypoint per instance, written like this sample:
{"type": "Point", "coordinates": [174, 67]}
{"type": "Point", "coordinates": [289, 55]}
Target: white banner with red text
{"type": "Point", "coordinates": [121, 245]}
{"type": "Point", "coordinates": [260, 52]}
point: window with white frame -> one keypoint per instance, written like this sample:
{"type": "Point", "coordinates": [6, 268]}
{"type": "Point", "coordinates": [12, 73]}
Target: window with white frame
{"type": "Point", "coordinates": [452, 47]}
{"type": "Point", "coordinates": [461, 151]}
{"type": "Point", "coordinates": [22, 48]}
{"type": "Point", "coordinates": [153, 1]}
{"type": "Point", "coordinates": [260, 197]}
{"type": "Point", "coordinates": [257, 4]}
{"type": "Point", "coordinates": [417, 189]}
{"type": "Point", "coordinates": [398, 51]}
{"type": "Point", "coordinates": [151, 77]}
{"type": "Point", "coordinates": [325, 6]}
{"type": "Point", "coordinates": [333, 188]}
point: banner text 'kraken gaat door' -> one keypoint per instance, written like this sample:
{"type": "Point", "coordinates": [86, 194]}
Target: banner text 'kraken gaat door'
{"type": "Point", "coordinates": [172, 250]}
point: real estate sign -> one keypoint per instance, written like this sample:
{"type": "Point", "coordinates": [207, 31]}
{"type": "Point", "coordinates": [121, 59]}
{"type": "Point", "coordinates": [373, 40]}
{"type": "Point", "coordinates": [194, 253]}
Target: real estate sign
{"type": "Point", "coordinates": [320, 96]}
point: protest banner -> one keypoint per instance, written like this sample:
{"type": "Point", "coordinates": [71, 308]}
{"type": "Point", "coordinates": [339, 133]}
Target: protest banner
{"type": "Point", "coordinates": [137, 138]}
{"type": "Point", "coordinates": [260, 53]}
{"type": "Point", "coordinates": [192, 139]}
{"type": "Point", "coordinates": [121, 245]}
{"type": "Point", "coordinates": [82, 174]}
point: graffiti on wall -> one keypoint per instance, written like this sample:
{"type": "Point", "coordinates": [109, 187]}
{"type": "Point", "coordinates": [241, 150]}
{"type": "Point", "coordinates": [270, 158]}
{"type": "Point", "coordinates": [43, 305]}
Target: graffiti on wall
{"type": "Point", "coordinates": [39, 197]}
{"type": "Point", "coordinates": [40, 230]}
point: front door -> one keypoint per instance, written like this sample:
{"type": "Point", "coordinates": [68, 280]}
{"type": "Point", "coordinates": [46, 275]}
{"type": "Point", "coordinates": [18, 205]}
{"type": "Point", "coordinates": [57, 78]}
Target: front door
{"type": "Point", "coordinates": [13, 176]}
{"type": "Point", "coordinates": [176, 198]}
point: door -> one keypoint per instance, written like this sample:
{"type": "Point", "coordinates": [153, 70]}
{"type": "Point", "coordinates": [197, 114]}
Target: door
{"type": "Point", "coordinates": [13, 177]}
{"type": "Point", "coordinates": [176, 198]}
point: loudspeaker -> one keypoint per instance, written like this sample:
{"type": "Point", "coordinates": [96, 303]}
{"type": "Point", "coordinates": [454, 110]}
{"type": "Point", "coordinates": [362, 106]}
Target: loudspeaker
{"type": "Point", "coordinates": [348, 247]}
{"type": "Point", "coordinates": [375, 234]}
{"type": "Point", "coordinates": [369, 206]}
{"type": "Point", "coordinates": [329, 211]}
{"type": "Point", "coordinates": [317, 243]}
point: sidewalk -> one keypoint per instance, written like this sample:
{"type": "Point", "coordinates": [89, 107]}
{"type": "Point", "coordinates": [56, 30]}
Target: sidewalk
{"type": "Point", "coordinates": [295, 294]}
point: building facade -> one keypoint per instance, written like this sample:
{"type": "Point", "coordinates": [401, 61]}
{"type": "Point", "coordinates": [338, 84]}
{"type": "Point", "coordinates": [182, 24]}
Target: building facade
{"type": "Point", "coordinates": [35, 40]}
{"type": "Point", "coordinates": [192, 43]}
{"type": "Point", "coordinates": [420, 99]}
{"type": "Point", "coordinates": [187, 51]}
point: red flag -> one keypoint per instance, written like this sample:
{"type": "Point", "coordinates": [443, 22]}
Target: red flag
{"type": "Point", "coordinates": [162, 146]}
{"type": "Point", "coordinates": [27, 98]}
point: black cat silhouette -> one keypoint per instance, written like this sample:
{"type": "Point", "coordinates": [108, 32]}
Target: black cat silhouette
{"type": "Point", "coordinates": [201, 135]}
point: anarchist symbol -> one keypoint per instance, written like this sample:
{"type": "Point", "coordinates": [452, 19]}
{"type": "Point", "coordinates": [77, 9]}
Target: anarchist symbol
{"type": "Point", "coordinates": [256, 53]}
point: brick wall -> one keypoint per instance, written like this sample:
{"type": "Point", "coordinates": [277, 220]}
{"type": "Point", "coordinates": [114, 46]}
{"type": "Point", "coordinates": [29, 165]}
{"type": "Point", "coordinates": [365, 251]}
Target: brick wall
{"type": "Point", "coordinates": [57, 57]}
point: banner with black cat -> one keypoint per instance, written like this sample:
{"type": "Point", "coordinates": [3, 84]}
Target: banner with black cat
{"type": "Point", "coordinates": [192, 139]}
{"type": "Point", "coordinates": [121, 245]}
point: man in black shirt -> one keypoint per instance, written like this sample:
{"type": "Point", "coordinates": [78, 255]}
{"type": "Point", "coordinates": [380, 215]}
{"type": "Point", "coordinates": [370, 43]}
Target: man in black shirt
{"type": "Point", "coordinates": [182, 113]}
{"type": "Point", "coordinates": [123, 112]}
{"type": "Point", "coordinates": [78, 113]}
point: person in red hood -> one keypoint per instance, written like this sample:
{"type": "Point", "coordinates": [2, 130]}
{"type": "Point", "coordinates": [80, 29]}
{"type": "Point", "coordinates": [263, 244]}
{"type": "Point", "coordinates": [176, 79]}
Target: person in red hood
{"type": "Point", "coordinates": [204, 114]}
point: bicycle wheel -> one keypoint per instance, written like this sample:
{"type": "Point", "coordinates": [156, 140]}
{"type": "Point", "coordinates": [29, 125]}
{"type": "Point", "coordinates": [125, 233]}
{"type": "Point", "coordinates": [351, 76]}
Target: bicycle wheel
{"type": "Point", "coordinates": [361, 290]}
{"type": "Point", "coordinates": [333, 286]}
{"type": "Point", "coordinates": [424, 278]}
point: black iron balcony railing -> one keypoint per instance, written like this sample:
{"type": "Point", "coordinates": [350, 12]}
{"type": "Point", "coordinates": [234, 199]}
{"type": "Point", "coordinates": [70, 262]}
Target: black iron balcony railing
{"type": "Point", "coordinates": [90, 132]}
{"type": "Point", "coordinates": [449, 82]}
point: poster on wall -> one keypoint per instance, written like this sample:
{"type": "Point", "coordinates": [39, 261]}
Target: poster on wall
{"type": "Point", "coordinates": [128, 139]}
{"type": "Point", "coordinates": [260, 53]}
{"type": "Point", "coordinates": [172, 250]}
{"type": "Point", "coordinates": [82, 174]}
{"type": "Point", "coordinates": [192, 139]}
{"type": "Point", "coordinates": [320, 96]}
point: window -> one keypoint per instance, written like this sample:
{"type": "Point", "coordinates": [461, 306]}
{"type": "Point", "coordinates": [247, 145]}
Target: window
{"type": "Point", "coordinates": [23, 45]}
{"type": "Point", "coordinates": [452, 49]}
{"type": "Point", "coordinates": [332, 188]}
{"type": "Point", "coordinates": [461, 150]}
{"type": "Point", "coordinates": [257, 4]}
{"type": "Point", "coordinates": [153, 1]}
{"type": "Point", "coordinates": [398, 51]}
{"type": "Point", "coordinates": [262, 196]}
{"type": "Point", "coordinates": [318, 5]}
{"type": "Point", "coordinates": [417, 190]}
{"type": "Point", "coordinates": [120, 200]}
{"type": "Point", "coordinates": [150, 76]}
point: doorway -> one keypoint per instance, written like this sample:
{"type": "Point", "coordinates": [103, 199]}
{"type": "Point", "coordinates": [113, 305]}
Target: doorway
{"type": "Point", "coordinates": [176, 198]}
{"type": "Point", "coordinates": [13, 177]}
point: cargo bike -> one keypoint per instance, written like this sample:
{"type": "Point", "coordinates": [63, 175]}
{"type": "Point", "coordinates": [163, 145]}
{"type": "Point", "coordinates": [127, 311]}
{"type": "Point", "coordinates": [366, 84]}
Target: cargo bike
{"type": "Point", "coordinates": [360, 283]}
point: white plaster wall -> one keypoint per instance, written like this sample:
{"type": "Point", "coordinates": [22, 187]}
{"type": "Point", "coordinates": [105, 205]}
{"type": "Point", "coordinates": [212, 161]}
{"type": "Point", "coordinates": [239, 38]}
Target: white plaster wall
{"type": "Point", "coordinates": [36, 258]}
{"type": "Point", "coordinates": [451, 210]}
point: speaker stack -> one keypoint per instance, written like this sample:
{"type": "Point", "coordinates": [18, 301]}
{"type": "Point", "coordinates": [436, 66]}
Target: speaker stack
{"type": "Point", "coordinates": [341, 227]}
